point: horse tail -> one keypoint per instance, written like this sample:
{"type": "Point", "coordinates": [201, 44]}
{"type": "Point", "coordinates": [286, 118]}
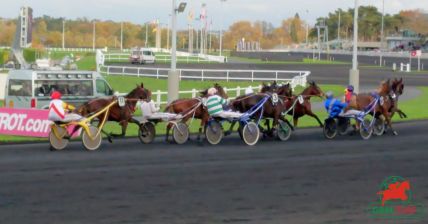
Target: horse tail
{"type": "Point", "coordinates": [83, 109]}
{"type": "Point", "coordinates": [170, 107]}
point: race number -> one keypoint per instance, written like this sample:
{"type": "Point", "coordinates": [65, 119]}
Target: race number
{"type": "Point", "coordinates": [300, 98]}
{"type": "Point", "coordinates": [121, 101]}
{"type": "Point", "coordinates": [275, 98]}
{"type": "Point", "coordinates": [381, 100]}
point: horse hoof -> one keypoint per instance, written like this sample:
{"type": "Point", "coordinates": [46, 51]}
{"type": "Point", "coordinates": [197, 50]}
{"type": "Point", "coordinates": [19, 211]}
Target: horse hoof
{"type": "Point", "coordinates": [226, 133]}
{"type": "Point", "coordinates": [109, 139]}
{"type": "Point", "coordinates": [395, 133]}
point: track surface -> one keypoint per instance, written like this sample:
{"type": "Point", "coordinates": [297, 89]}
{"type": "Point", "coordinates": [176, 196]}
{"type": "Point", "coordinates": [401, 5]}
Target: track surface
{"type": "Point", "coordinates": [306, 180]}
{"type": "Point", "coordinates": [324, 74]}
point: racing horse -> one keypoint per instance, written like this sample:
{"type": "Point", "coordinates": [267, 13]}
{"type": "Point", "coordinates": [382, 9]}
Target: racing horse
{"type": "Point", "coordinates": [271, 109]}
{"type": "Point", "coordinates": [386, 102]}
{"type": "Point", "coordinates": [193, 108]}
{"type": "Point", "coordinates": [304, 108]}
{"type": "Point", "coordinates": [122, 115]}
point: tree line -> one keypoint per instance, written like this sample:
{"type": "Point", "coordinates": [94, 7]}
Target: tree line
{"type": "Point", "coordinates": [47, 31]}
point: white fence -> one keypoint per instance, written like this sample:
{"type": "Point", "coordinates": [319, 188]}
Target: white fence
{"type": "Point", "coordinates": [295, 78]}
{"type": "Point", "coordinates": [123, 57]}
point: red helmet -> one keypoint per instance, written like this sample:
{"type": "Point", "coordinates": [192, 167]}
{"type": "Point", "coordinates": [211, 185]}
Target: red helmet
{"type": "Point", "coordinates": [55, 95]}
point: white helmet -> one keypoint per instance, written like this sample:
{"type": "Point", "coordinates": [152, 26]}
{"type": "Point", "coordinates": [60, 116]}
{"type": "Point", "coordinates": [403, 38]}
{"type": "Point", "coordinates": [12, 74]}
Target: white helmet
{"type": "Point", "coordinates": [212, 91]}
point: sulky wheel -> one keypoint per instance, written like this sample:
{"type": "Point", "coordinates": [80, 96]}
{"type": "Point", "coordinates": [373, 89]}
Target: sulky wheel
{"type": "Point", "coordinates": [366, 129]}
{"type": "Point", "coordinates": [92, 140]}
{"type": "Point", "coordinates": [283, 131]}
{"type": "Point", "coordinates": [180, 133]}
{"type": "Point", "coordinates": [250, 133]}
{"type": "Point", "coordinates": [147, 132]}
{"type": "Point", "coordinates": [343, 125]}
{"type": "Point", "coordinates": [379, 127]}
{"type": "Point", "coordinates": [214, 132]}
{"type": "Point", "coordinates": [330, 128]}
{"type": "Point", "coordinates": [56, 138]}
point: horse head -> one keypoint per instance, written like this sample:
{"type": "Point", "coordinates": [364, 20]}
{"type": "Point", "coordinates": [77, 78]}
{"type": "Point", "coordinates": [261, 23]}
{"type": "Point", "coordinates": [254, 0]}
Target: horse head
{"type": "Point", "coordinates": [220, 91]}
{"type": "Point", "coordinates": [313, 90]}
{"type": "Point", "coordinates": [140, 93]}
{"type": "Point", "coordinates": [398, 86]}
{"type": "Point", "coordinates": [266, 88]}
{"type": "Point", "coordinates": [285, 90]}
{"type": "Point", "coordinates": [385, 87]}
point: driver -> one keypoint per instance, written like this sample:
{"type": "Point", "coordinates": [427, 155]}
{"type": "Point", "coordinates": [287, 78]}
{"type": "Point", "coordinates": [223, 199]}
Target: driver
{"type": "Point", "coordinates": [215, 106]}
{"type": "Point", "coordinates": [335, 107]}
{"type": "Point", "coordinates": [349, 93]}
{"type": "Point", "coordinates": [57, 109]}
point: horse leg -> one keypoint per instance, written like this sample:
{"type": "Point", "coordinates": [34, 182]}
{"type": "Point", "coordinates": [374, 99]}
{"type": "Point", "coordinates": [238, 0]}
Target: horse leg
{"type": "Point", "coordinates": [310, 113]}
{"type": "Point", "coordinates": [124, 127]}
{"type": "Point", "coordinates": [389, 123]}
{"type": "Point", "coordinates": [295, 121]}
{"type": "Point", "coordinates": [401, 113]}
{"type": "Point", "coordinates": [228, 132]}
{"type": "Point", "coordinates": [168, 128]}
{"type": "Point", "coordinates": [282, 118]}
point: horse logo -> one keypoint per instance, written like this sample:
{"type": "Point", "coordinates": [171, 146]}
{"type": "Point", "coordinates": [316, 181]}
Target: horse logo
{"type": "Point", "coordinates": [397, 190]}
{"type": "Point", "coordinates": [396, 200]}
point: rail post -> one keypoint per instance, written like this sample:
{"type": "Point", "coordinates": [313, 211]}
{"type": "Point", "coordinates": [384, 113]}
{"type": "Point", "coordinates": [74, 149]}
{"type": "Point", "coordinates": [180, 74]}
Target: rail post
{"type": "Point", "coordinates": [123, 70]}
{"type": "Point", "coordinates": [158, 98]}
{"type": "Point", "coordinates": [108, 70]}
{"type": "Point", "coordinates": [138, 72]}
{"type": "Point", "coordinates": [193, 93]}
{"type": "Point", "coordinates": [202, 74]}
{"type": "Point", "coordinates": [157, 73]}
{"type": "Point", "coordinates": [179, 76]}
{"type": "Point", "coordinates": [227, 75]}
{"type": "Point", "coordinates": [238, 91]}
{"type": "Point", "coordinates": [252, 75]}
{"type": "Point", "coordinates": [276, 76]}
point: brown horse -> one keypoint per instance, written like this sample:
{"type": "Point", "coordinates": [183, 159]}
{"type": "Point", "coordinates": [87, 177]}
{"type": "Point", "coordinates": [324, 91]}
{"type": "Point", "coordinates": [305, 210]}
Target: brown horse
{"type": "Point", "coordinates": [398, 89]}
{"type": "Point", "coordinates": [384, 92]}
{"type": "Point", "coordinates": [123, 115]}
{"type": "Point", "coordinates": [302, 109]}
{"type": "Point", "coordinates": [193, 108]}
{"type": "Point", "coordinates": [271, 109]}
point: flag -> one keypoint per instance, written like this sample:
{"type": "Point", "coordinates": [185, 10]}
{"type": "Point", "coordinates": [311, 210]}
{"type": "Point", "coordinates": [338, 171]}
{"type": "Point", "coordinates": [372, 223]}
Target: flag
{"type": "Point", "coordinates": [203, 13]}
{"type": "Point", "coordinates": [190, 16]}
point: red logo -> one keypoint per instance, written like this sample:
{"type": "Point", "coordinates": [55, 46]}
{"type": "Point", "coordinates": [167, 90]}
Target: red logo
{"type": "Point", "coordinates": [397, 190]}
{"type": "Point", "coordinates": [396, 201]}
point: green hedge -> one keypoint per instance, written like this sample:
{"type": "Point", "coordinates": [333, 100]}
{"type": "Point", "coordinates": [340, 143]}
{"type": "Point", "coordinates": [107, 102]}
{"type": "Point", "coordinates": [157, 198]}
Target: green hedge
{"type": "Point", "coordinates": [30, 55]}
{"type": "Point", "coordinates": [4, 56]}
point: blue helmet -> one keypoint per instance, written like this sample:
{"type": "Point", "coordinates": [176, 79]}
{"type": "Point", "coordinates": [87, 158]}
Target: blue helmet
{"type": "Point", "coordinates": [350, 88]}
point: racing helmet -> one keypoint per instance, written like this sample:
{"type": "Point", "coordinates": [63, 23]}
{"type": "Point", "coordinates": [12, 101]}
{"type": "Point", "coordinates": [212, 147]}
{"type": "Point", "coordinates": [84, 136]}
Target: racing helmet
{"type": "Point", "coordinates": [212, 91]}
{"type": "Point", "coordinates": [56, 95]}
{"type": "Point", "coordinates": [329, 95]}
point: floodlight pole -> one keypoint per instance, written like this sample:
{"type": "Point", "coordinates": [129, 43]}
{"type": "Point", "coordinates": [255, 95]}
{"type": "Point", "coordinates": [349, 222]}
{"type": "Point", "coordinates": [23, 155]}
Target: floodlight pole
{"type": "Point", "coordinates": [354, 74]}
{"type": "Point", "coordinates": [145, 43]}
{"type": "Point", "coordinates": [63, 34]}
{"type": "Point", "coordinates": [382, 34]}
{"type": "Point", "coordinates": [93, 36]}
{"type": "Point", "coordinates": [338, 28]}
{"type": "Point", "coordinates": [173, 75]}
{"type": "Point", "coordinates": [121, 36]}
{"type": "Point", "coordinates": [221, 27]}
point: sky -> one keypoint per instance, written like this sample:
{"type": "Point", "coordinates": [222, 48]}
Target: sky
{"type": "Point", "coordinates": [221, 13]}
